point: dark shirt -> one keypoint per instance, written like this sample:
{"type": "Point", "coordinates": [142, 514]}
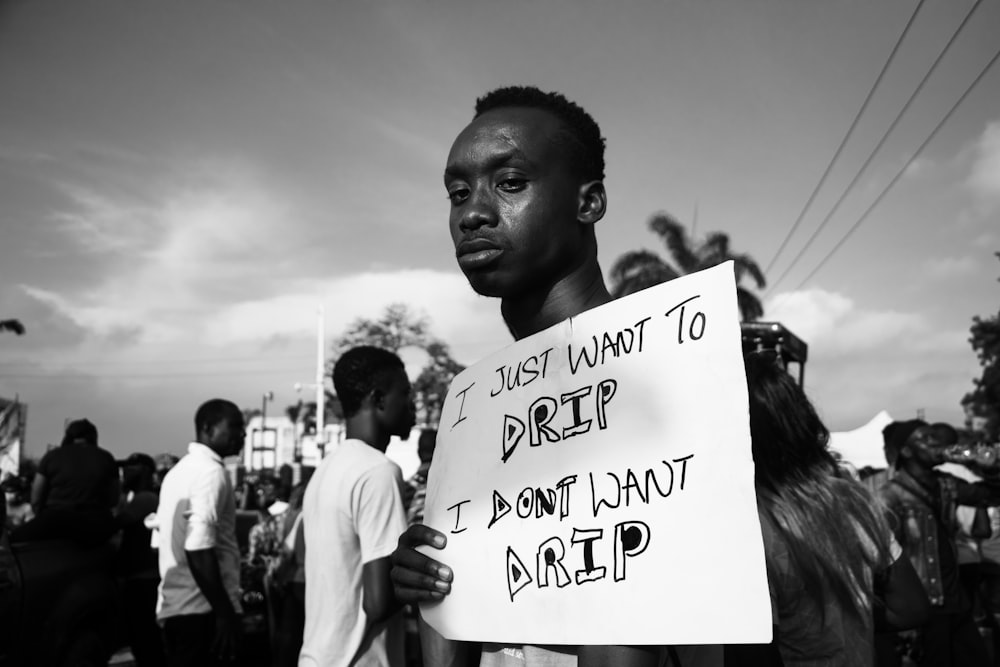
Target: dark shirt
{"type": "Point", "coordinates": [136, 556]}
{"type": "Point", "coordinates": [810, 633]}
{"type": "Point", "coordinates": [955, 599]}
{"type": "Point", "coordinates": [922, 514]}
{"type": "Point", "coordinates": [78, 476]}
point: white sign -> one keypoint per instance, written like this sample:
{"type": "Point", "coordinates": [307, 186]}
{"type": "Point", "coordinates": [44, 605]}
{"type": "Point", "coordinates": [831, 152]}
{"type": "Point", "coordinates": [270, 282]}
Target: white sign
{"type": "Point", "coordinates": [596, 484]}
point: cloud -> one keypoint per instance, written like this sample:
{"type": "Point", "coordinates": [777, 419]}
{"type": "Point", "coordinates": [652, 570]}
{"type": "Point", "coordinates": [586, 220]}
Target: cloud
{"type": "Point", "coordinates": [919, 167]}
{"type": "Point", "coordinates": [221, 236]}
{"type": "Point", "coordinates": [949, 267]}
{"type": "Point", "coordinates": [984, 176]}
{"type": "Point", "coordinates": [469, 323]}
{"type": "Point", "coordinates": [831, 320]}
{"type": "Point", "coordinates": [47, 323]}
{"type": "Point", "coordinates": [423, 149]}
{"type": "Point", "coordinates": [985, 240]}
{"type": "Point", "coordinates": [98, 224]}
{"type": "Point", "coordinates": [864, 360]}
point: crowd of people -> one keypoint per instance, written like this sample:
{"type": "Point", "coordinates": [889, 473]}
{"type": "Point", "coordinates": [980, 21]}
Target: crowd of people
{"type": "Point", "coordinates": [859, 574]}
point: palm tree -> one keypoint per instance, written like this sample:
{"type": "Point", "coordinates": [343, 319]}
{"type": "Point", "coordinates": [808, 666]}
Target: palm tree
{"type": "Point", "coordinates": [12, 325]}
{"type": "Point", "coordinates": [639, 269]}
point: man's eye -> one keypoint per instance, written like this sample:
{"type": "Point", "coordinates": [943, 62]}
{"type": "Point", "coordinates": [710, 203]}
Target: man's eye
{"type": "Point", "coordinates": [458, 195]}
{"type": "Point", "coordinates": [512, 184]}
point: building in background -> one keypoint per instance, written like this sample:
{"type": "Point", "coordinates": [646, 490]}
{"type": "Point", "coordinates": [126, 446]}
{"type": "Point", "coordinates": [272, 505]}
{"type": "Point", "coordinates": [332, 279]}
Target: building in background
{"type": "Point", "coordinates": [285, 442]}
{"type": "Point", "coordinates": [279, 441]}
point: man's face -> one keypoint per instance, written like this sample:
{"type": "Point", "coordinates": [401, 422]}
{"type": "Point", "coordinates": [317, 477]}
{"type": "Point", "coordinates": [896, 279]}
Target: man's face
{"type": "Point", "coordinates": [267, 493]}
{"type": "Point", "coordinates": [230, 434]}
{"type": "Point", "coordinates": [399, 412]}
{"type": "Point", "coordinates": [925, 446]}
{"type": "Point", "coordinates": [515, 199]}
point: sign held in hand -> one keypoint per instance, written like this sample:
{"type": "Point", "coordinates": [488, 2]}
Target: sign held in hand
{"type": "Point", "coordinates": [595, 480]}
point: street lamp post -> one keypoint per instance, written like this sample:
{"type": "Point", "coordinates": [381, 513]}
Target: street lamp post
{"type": "Point", "coordinates": [268, 396]}
{"type": "Point", "coordinates": [318, 385]}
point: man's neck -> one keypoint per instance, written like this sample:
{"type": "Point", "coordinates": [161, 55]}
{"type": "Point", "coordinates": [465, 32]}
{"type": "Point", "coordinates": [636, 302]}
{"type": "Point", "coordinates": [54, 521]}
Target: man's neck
{"type": "Point", "coordinates": [922, 474]}
{"type": "Point", "coordinates": [569, 297]}
{"type": "Point", "coordinates": [367, 432]}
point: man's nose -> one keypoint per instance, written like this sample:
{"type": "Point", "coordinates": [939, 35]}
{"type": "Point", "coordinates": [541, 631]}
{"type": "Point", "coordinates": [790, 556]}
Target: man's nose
{"type": "Point", "coordinates": [479, 211]}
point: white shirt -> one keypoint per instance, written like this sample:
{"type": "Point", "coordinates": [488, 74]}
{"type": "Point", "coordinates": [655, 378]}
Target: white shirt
{"type": "Point", "coordinates": [352, 514]}
{"type": "Point", "coordinates": [197, 511]}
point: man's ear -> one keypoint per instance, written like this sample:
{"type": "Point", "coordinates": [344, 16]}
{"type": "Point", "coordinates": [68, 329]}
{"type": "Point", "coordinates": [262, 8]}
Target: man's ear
{"type": "Point", "coordinates": [377, 398]}
{"type": "Point", "coordinates": [373, 400]}
{"type": "Point", "coordinates": [593, 202]}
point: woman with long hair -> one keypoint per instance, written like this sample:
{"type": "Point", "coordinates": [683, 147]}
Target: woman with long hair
{"type": "Point", "coordinates": [833, 568]}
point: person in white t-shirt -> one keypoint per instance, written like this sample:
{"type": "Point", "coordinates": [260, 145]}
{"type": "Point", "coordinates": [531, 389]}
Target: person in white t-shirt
{"type": "Point", "coordinates": [198, 604]}
{"type": "Point", "coordinates": [353, 516]}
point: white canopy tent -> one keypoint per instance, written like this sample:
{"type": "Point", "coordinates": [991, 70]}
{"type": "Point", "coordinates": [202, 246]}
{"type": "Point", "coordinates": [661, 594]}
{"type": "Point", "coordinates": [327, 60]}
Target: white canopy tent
{"type": "Point", "coordinates": [862, 447]}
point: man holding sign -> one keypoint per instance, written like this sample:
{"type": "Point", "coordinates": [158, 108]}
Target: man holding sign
{"type": "Point", "coordinates": [525, 181]}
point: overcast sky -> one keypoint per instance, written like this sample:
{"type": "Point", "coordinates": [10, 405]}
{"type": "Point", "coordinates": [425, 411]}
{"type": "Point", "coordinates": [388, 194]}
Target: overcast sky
{"type": "Point", "coordinates": [182, 183]}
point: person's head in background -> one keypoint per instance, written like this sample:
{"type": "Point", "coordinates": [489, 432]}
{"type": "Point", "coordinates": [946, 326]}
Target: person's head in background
{"type": "Point", "coordinates": [266, 492]}
{"type": "Point", "coordinates": [80, 431]}
{"type": "Point", "coordinates": [375, 395]}
{"type": "Point", "coordinates": [787, 435]}
{"type": "Point", "coordinates": [219, 425]}
{"type": "Point", "coordinates": [911, 444]}
{"type": "Point", "coordinates": [138, 473]}
{"type": "Point", "coordinates": [425, 444]}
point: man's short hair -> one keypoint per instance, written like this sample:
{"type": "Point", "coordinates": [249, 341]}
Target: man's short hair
{"type": "Point", "coordinates": [582, 135]}
{"type": "Point", "coordinates": [360, 371]}
{"type": "Point", "coordinates": [80, 430]}
{"type": "Point", "coordinates": [212, 412]}
{"type": "Point", "coordinates": [896, 434]}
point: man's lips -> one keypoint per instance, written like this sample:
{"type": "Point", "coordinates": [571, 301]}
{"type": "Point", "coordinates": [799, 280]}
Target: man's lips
{"type": "Point", "coordinates": [477, 253]}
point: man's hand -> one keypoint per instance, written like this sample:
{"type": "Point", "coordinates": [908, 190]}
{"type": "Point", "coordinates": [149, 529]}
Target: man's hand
{"type": "Point", "coordinates": [416, 577]}
{"type": "Point", "coordinates": [228, 630]}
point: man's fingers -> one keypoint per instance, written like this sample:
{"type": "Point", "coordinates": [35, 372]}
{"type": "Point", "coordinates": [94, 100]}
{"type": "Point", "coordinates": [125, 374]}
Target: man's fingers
{"type": "Point", "coordinates": [421, 535]}
{"type": "Point", "coordinates": [408, 578]}
{"type": "Point", "coordinates": [410, 559]}
{"type": "Point", "coordinates": [415, 576]}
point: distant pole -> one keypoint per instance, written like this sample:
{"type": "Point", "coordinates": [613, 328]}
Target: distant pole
{"type": "Point", "coordinates": [320, 370]}
{"type": "Point", "coordinates": [267, 396]}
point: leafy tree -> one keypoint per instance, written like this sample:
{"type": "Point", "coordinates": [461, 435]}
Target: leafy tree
{"type": "Point", "coordinates": [431, 386]}
{"type": "Point", "coordinates": [639, 269]}
{"type": "Point", "coordinates": [396, 329]}
{"type": "Point", "coordinates": [983, 402]}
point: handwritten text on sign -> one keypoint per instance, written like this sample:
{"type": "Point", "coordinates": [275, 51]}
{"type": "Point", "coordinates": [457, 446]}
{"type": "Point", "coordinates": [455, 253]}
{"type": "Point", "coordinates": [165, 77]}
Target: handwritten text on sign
{"type": "Point", "coordinates": [595, 480]}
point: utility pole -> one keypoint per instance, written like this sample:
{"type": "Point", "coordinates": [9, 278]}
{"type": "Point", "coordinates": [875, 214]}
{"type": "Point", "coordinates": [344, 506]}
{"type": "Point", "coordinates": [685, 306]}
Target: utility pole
{"type": "Point", "coordinates": [319, 387]}
{"type": "Point", "coordinates": [320, 373]}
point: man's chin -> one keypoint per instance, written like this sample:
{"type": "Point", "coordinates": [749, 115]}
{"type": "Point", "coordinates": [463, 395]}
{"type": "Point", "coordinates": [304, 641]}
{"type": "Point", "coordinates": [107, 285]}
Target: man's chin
{"type": "Point", "coordinates": [487, 284]}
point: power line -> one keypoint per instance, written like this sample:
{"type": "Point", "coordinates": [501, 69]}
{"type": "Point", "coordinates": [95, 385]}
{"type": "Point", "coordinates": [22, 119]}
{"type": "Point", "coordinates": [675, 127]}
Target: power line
{"type": "Point", "coordinates": [900, 173]}
{"type": "Point", "coordinates": [878, 146]}
{"type": "Point", "coordinates": [843, 142]}
{"type": "Point", "coordinates": [141, 362]}
{"type": "Point", "coordinates": [142, 376]}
